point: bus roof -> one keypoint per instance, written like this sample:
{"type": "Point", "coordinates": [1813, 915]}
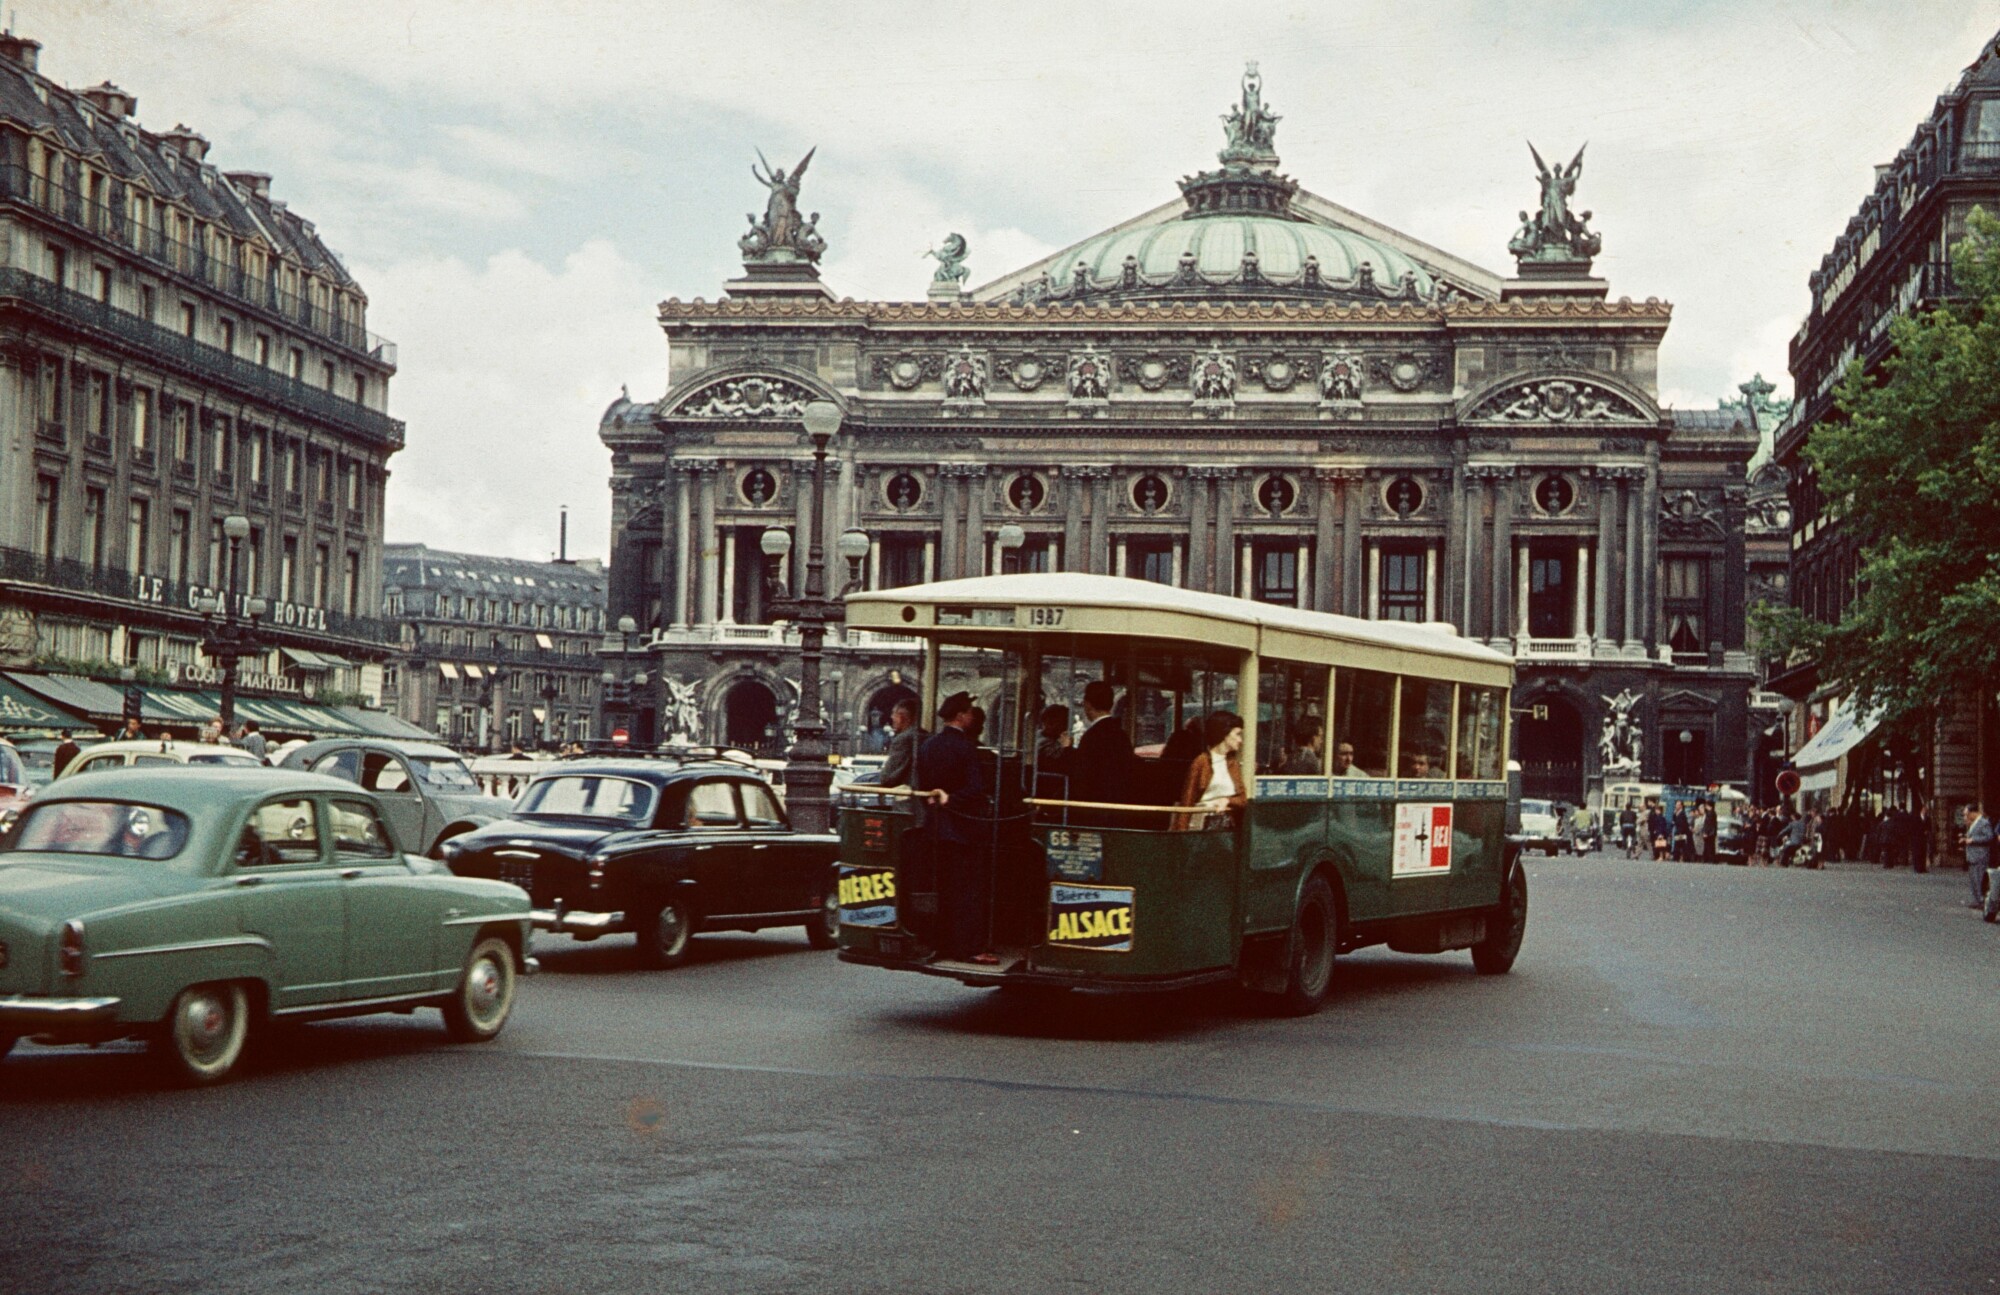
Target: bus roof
{"type": "Point", "coordinates": [995, 608]}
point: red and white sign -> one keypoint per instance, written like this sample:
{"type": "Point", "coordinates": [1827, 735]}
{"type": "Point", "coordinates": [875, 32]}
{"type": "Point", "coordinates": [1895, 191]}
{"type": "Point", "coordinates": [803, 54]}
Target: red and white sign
{"type": "Point", "coordinates": [620, 737]}
{"type": "Point", "coordinates": [1423, 841]}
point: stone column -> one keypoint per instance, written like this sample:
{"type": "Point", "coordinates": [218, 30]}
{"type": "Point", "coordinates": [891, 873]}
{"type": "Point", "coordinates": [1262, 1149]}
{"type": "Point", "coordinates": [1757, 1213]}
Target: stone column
{"type": "Point", "coordinates": [1628, 490]}
{"type": "Point", "coordinates": [975, 519]}
{"type": "Point", "coordinates": [1352, 482]}
{"type": "Point", "coordinates": [1200, 490]}
{"type": "Point", "coordinates": [1581, 628]}
{"type": "Point", "coordinates": [1430, 582]}
{"type": "Point", "coordinates": [1225, 531]}
{"type": "Point", "coordinates": [1605, 498]}
{"type": "Point", "coordinates": [679, 566]}
{"type": "Point", "coordinates": [802, 522]}
{"type": "Point", "coordinates": [1523, 564]}
{"type": "Point", "coordinates": [1452, 560]}
{"type": "Point", "coordinates": [726, 612]}
{"type": "Point", "coordinates": [1318, 594]}
{"type": "Point", "coordinates": [1502, 621]}
{"type": "Point", "coordinates": [1371, 603]}
{"type": "Point", "coordinates": [702, 473]}
{"type": "Point", "coordinates": [1074, 484]}
{"type": "Point", "coordinates": [1650, 558]}
{"type": "Point", "coordinates": [951, 520]}
{"type": "Point", "coordinates": [1100, 520]}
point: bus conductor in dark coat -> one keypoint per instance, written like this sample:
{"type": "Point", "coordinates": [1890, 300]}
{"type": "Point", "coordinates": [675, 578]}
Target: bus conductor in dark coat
{"type": "Point", "coordinates": [948, 771]}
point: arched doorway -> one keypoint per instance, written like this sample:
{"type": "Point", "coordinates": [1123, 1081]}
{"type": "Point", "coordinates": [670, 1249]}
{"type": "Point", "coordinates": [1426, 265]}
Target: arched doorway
{"type": "Point", "coordinates": [750, 719]}
{"type": "Point", "coordinates": [872, 724]}
{"type": "Point", "coordinates": [1550, 743]}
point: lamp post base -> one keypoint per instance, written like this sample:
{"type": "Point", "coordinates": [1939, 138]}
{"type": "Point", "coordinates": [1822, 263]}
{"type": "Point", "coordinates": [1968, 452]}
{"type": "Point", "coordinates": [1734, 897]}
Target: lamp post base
{"type": "Point", "coordinates": [808, 783]}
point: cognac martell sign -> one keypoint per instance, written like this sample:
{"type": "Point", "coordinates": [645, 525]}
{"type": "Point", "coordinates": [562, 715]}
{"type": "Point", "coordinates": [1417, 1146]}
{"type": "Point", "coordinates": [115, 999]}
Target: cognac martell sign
{"type": "Point", "coordinates": [153, 589]}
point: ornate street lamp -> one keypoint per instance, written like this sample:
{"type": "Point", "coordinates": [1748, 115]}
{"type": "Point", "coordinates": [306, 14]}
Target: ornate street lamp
{"type": "Point", "coordinates": [807, 773]}
{"type": "Point", "coordinates": [228, 640]}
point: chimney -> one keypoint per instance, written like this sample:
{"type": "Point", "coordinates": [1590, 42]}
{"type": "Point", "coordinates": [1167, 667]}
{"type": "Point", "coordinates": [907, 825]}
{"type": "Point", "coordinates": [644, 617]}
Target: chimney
{"type": "Point", "coordinates": [187, 143]}
{"type": "Point", "coordinates": [256, 183]}
{"type": "Point", "coordinates": [111, 101]}
{"type": "Point", "coordinates": [562, 537]}
{"type": "Point", "coordinates": [21, 50]}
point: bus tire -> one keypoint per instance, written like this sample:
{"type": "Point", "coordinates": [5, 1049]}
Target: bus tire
{"type": "Point", "coordinates": [1310, 951]}
{"type": "Point", "coordinates": [1505, 925]}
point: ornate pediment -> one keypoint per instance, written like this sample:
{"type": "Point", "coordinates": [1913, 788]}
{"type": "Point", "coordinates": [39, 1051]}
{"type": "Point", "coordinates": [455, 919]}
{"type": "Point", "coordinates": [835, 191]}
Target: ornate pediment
{"type": "Point", "coordinates": [744, 398]}
{"type": "Point", "coordinates": [1557, 400]}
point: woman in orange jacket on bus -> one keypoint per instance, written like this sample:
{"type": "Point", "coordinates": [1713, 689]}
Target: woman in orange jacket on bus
{"type": "Point", "coordinates": [1214, 788]}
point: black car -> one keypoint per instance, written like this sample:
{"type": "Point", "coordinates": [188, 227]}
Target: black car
{"type": "Point", "coordinates": [662, 848]}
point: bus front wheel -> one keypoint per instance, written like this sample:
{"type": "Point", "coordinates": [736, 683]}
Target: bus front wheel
{"type": "Point", "coordinates": [1315, 938]}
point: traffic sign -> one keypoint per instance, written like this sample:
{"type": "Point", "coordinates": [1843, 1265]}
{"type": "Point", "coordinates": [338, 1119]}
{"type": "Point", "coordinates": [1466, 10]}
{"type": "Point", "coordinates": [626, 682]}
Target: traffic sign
{"type": "Point", "coordinates": [620, 737]}
{"type": "Point", "coordinates": [1788, 782]}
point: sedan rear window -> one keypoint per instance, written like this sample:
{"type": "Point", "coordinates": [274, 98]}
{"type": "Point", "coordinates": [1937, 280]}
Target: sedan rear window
{"type": "Point", "coordinates": [100, 827]}
{"type": "Point", "coordinates": [588, 796]}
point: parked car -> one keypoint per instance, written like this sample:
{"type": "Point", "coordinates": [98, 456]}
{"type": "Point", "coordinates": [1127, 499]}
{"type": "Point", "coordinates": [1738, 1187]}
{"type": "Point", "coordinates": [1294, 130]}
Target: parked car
{"type": "Point", "coordinates": [1540, 828]}
{"type": "Point", "coordinates": [191, 910]}
{"type": "Point", "coordinates": [17, 783]}
{"type": "Point", "coordinates": [159, 751]}
{"type": "Point", "coordinates": [661, 848]}
{"type": "Point", "coordinates": [427, 789]}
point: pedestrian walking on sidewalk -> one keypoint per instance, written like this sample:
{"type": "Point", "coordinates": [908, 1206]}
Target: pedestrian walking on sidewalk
{"type": "Point", "coordinates": [1978, 843]}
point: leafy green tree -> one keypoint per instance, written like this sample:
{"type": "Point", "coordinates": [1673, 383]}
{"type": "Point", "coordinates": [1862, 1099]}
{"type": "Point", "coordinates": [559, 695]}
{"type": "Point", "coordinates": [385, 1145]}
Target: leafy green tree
{"type": "Point", "coordinates": [1912, 473]}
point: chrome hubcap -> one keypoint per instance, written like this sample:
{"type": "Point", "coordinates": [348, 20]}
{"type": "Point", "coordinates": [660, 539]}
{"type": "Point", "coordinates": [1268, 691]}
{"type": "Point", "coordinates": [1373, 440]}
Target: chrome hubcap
{"type": "Point", "coordinates": [672, 930]}
{"type": "Point", "coordinates": [484, 988]}
{"type": "Point", "coordinates": [205, 1022]}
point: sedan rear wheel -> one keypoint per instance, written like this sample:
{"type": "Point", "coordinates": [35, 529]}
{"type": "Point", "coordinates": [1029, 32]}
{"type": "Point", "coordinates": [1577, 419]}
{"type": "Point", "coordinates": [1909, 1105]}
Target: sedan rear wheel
{"type": "Point", "coordinates": [665, 935]}
{"type": "Point", "coordinates": [205, 1032]}
{"type": "Point", "coordinates": [823, 931]}
{"type": "Point", "coordinates": [485, 994]}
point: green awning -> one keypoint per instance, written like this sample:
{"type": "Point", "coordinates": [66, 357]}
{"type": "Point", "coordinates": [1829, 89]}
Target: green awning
{"type": "Point", "coordinates": [75, 694]}
{"type": "Point", "coordinates": [179, 706]}
{"type": "Point", "coordinates": [22, 712]}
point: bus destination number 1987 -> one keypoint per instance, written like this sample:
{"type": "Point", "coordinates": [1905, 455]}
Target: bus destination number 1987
{"type": "Point", "coordinates": [1043, 617]}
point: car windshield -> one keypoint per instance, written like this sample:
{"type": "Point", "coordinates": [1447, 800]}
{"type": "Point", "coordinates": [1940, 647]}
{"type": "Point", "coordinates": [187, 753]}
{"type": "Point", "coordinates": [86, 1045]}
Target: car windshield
{"type": "Point", "coordinates": [446, 773]}
{"type": "Point", "coordinates": [224, 757]}
{"type": "Point", "coordinates": [100, 827]}
{"type": "Point", "coordinates": [588, 796]}
{"type": "Point", "coordinates": [1537, 807]}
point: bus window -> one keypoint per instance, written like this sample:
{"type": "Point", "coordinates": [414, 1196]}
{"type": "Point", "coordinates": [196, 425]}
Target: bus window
{"type": "Point", "coordinates": [1479, 713]}
{"type": "Point", "coordinates": [1363, 713]}
{"type": "Point", "coordinates": [1424, 728]}
{"type": "Point", "coordinates": [1291, 717]}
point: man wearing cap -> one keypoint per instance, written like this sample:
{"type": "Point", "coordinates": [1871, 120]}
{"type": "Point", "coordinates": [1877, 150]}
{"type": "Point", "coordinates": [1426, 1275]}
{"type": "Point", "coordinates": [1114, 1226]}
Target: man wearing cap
{"type": "Point", "coordinates": [948, 772]}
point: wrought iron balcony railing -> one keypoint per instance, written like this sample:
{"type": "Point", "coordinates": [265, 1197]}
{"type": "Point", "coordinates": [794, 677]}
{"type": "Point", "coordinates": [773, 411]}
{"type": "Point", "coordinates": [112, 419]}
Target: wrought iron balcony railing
{"type": "Point", "coordinates": [206, 360]}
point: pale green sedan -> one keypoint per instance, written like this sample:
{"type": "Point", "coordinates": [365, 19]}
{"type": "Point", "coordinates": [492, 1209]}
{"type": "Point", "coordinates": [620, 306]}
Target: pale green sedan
{"type": "Point", "coordinates": [189, 908]}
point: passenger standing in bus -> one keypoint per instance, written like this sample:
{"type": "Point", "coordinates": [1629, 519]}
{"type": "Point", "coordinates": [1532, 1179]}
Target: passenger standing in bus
{"type": "Point", "coordinates": [901, 764]}
{"type": "Point", "coordinates": [1102, 768]}
{"type": "Point", "coordinates": [1215, 778]}
{"type": "Point", "coordinates": [947, 770]}
{"type": "Point", "coordinates": [1343, 762]}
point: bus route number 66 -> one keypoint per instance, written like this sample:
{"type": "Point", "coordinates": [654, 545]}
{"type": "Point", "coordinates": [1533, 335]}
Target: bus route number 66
{"type": "Point", "coordinates": [1043, 617]}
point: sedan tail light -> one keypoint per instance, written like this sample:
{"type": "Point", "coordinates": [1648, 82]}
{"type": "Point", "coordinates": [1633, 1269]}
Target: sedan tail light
{"type": "Point", "coordinates": [69, 949]}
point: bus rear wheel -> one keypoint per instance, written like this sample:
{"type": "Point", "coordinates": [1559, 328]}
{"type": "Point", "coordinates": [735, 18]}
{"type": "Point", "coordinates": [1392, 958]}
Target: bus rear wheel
{"type": "Point", "coordinates": [1505, 925]}
{"type": "Point", "coordinates": [1315, 939]}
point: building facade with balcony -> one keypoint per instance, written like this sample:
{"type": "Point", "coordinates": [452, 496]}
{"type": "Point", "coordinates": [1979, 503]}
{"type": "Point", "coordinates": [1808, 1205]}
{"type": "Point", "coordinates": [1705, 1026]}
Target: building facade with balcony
{"type": "Point", "coordinates": [177, 347]}
{"type": "Point", "coordinates": [494, 652]}
{"type": "Point", "coordinates": [1251, 390]}
{"type": "Point", "coordinates": [1893, 258]}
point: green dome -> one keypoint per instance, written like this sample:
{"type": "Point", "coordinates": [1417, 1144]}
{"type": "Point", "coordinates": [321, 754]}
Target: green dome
{"type": "Point", "coordinates": [1206, 255]}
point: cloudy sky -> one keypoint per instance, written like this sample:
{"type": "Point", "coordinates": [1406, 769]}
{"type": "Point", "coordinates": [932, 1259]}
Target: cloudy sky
{"type": "Point", "coordinates": [517, 185]}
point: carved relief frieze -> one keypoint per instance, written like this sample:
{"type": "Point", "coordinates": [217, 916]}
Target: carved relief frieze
{"type": "Point", "coordinates": [1691, 514]}
{"type": "Point", "coordinates": [1342, 377]}
{"type": "Point", "coordinates": [746, 398]}
{"type": "Point", "coordinates": [1557, 400]}
{"type": "Point", "coordinates": [1089, 375]}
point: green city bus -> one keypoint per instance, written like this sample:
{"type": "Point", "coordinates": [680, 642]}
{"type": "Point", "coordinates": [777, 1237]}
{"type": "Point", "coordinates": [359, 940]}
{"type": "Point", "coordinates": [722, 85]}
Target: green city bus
{"type": "Point", "coordinates": [1377, 812]}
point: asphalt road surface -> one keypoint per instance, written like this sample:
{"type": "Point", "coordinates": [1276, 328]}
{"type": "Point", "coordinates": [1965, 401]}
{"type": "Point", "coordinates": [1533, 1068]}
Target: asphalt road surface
{"type": "Point", "coordinates": [1697, 1079]}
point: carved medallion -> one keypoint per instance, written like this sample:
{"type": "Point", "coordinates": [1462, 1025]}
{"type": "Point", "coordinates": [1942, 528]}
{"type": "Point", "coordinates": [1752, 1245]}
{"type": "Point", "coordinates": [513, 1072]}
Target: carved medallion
{"type": "Point", "coordinates": [1153, 371]}
{"type": "Point", "coordinates": [1150, 493]}
{"type": "Point", "coordinates": [1026, 372]}
{"type": "Point", "coordinates": [1405, 371]}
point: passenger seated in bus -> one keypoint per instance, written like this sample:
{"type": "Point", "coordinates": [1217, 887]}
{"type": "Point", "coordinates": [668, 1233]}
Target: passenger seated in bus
{"type": "Point", "coordinates": [1423, 766]}
{"type": "Point", "coordinates": [1214, 783]}
{"type": "Point", "coordinates": [1343, 762]}
{"type": "Point", "coordinates": [1310, 758]}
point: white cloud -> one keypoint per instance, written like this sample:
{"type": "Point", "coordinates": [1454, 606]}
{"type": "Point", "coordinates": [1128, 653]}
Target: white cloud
{"type": "Point", "coordinates": [506, 368]}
